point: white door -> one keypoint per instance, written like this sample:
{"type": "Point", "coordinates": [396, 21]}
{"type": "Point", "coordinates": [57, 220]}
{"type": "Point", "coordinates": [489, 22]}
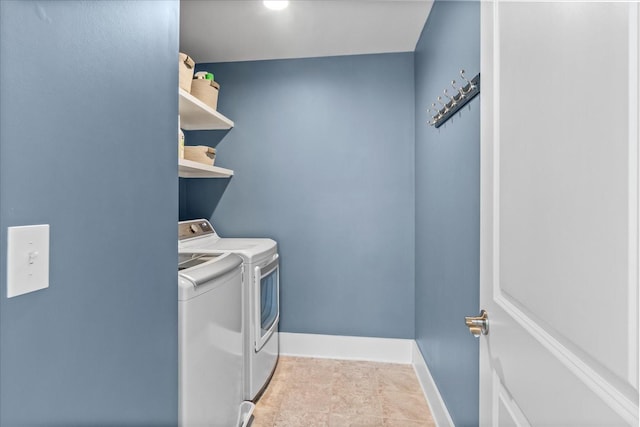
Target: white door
{"type": "Point", "coordinates": [559, 233]}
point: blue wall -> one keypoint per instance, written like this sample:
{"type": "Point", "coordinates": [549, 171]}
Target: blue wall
{"type": "Point", "coordinates": [447, 208]}
{"type": "Point", "coordinates": [323, 153]}
{"type": "Point", "coordinates": [88, 145]}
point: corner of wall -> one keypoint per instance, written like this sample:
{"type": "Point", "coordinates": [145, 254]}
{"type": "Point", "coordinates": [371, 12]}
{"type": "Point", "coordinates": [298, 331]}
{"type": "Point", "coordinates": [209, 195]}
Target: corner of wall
{"type": "Point", "coordinates": [439, 410]}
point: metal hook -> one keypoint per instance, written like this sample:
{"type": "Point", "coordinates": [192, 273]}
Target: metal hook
{"type": "Point", "coordinates": [446, 109]}
{"type": "Point", "coordinates": [463, 77]}
{"type": "Point", "coordinates": [435, 116]}
{"type": "Point", "coordinates": [458, 89]}
{"type": "Point", "coordinates": [453, 100]}
{"type": "Point", "coordinates": [471, 85]}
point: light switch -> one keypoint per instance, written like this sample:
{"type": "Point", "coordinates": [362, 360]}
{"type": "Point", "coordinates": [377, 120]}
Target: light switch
{"type": "Point", "coordinates": [27, 259]}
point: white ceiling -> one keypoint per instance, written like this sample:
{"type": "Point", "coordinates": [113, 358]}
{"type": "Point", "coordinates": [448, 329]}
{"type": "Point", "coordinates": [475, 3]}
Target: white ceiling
{"type": "Point", "coordinates": [244, 30]}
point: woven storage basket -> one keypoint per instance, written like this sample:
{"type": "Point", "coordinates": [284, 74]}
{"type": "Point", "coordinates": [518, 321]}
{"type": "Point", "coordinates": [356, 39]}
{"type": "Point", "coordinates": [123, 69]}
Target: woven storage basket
{"type": "Point", "coordinates": [200, 154]}
{"type": "Point", "coordinates": [206, 91]}
{"type": "Point", "coordinates": [186, 67]}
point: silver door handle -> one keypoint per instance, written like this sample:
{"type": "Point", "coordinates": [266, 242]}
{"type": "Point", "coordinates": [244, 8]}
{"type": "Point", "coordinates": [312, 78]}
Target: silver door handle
{"type": "Point", "coordinates": [478, 324]}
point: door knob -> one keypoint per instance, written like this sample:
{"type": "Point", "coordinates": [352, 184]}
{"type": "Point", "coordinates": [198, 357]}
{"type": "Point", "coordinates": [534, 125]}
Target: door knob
{"type": "Point", "coordinates": [478, 325]}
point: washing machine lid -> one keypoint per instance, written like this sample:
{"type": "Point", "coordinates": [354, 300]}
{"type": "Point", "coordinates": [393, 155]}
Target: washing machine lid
{"type": "Point", "coordinates": [205, 273]}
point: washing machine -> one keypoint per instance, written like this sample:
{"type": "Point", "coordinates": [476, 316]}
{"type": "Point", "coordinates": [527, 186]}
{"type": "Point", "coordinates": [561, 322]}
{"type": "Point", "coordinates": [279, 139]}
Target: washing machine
{"type": "Point", "coordinates": [210, 339]}
{"type": "Point", "coordinates": [260, 295]}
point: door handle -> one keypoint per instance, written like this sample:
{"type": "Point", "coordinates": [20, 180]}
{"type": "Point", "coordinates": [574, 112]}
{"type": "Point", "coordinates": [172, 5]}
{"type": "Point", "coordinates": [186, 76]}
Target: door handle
{"type": "Point", "coordinates": [479, 324]}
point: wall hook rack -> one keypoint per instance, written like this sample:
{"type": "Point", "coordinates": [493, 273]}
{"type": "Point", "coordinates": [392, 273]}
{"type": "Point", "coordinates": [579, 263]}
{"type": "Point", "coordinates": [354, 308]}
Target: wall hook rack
{"type": "Point", "coordinates": [465, 94]}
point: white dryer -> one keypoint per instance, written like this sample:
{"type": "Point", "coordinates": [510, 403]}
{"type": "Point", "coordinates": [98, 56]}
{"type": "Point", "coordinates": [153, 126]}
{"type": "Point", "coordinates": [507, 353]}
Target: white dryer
{"type": "Point", "coordinates": [260, 295]}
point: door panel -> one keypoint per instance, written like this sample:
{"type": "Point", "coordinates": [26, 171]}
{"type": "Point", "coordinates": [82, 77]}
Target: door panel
{"type": "Point", "coordinates": [546, 385]}
{"type": "Point", "coordinates": [559, 239]}
{"type": "Point", "coordinates": [508, 413]}
{"type": "Point", "coordinates": [564, 175]}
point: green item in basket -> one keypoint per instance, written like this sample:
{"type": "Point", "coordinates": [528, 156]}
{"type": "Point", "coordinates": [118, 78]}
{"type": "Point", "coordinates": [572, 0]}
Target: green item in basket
{"type": "Point", "coordinates": [204, 75]}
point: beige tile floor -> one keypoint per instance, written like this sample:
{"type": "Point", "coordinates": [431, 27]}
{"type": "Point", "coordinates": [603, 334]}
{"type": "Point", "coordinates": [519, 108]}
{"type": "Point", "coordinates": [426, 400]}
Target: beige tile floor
{"type": "Point", "coordinates": [307, 392]}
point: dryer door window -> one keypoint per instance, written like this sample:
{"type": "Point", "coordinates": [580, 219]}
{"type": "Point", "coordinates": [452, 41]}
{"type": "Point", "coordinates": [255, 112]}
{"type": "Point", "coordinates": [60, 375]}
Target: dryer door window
{"type": "Point", "coordinates": [268, 301]}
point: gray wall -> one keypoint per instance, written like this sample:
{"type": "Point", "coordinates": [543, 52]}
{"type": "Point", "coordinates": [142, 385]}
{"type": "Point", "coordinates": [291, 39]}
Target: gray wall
{"type": "Point", "coordinates": [323, 158]}
{"type": "Point", "coordinates": [447, 209]}
{"type": "Point", "coordinates": [88, 146]}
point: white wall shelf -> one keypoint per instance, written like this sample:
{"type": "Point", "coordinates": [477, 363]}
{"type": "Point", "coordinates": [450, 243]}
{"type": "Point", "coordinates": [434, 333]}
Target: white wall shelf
{"type": "Point", "coordinates": [196, 115]}
{"type": "Point", "coordinates": [191, 169]}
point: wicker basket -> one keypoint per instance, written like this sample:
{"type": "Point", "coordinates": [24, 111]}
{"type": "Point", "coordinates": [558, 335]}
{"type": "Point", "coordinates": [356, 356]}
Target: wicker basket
{"type": "Point", "coordinates": [186, 67]}
{"type": "Point", "coordinates": [206, 91]}
{"type": "Point", "coordinates": [200, 154]}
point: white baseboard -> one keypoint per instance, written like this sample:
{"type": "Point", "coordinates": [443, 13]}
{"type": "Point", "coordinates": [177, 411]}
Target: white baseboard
{"type": "Point", "coordinates": [390, 350]}
{"type": "Point", "coordinates": [438, 409]}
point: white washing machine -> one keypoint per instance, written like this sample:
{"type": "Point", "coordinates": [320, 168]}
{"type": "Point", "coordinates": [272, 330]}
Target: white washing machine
{"type": "Point", "coordinates": [260, 295]}
{"type": "Point", "coordinates": [210, 341]}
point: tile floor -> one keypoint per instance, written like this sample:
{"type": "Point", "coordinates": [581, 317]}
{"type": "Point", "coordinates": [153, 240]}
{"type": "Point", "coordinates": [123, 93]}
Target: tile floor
{"type": "Point", "coordinates": [307, 392]}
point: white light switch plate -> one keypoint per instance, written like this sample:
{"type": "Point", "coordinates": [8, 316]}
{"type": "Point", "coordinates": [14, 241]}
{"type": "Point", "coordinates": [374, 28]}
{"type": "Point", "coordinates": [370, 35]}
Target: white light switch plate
{"type": "Point", "coordinates": [27, 259]}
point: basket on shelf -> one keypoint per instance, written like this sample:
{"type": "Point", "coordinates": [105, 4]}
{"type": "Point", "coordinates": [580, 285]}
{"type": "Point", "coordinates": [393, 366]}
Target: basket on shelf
{"type": "Point", "coordinates": [201, 154]}
{"type": "Point", "coordinates": [186, 67]}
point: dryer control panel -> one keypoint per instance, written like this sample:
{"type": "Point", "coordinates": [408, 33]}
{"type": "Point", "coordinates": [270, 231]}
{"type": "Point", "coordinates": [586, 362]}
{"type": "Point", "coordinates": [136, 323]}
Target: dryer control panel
{"type": "Point", "coordinates": [194, 228]}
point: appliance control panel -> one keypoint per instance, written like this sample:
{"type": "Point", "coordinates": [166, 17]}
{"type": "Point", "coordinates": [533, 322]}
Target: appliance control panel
{"type": "Point", "coordinates": [194, 228]}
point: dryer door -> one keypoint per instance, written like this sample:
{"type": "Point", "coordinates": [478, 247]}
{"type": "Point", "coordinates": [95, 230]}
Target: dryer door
{"type": "Point", "coordinates": [267, 304]}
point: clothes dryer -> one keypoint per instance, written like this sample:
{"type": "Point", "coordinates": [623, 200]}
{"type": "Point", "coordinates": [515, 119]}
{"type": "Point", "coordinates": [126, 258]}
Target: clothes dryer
{"type": "Point", "coordinates": [260, 295]}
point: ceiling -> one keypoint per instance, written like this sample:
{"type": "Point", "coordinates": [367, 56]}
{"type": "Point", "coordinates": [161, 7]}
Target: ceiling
{"type": "Point", "coordinates": [244, 30]}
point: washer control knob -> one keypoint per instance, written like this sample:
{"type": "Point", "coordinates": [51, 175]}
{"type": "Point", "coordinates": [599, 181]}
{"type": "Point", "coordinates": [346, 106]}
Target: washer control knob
{"type": "Point", "coordinates": [194, 228]}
